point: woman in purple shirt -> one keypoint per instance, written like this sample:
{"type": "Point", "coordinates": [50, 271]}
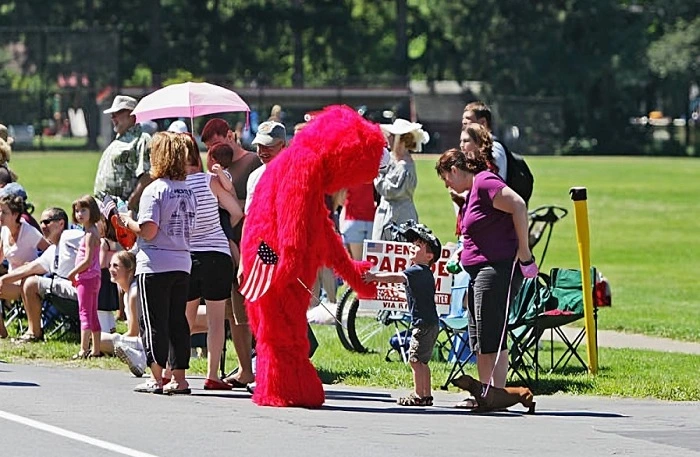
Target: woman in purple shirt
{"type": "Point", "coordinates": [493, 226]}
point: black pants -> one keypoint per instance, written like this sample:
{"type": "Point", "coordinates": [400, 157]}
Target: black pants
{"type": "Point", "coordinates": [164, 328]}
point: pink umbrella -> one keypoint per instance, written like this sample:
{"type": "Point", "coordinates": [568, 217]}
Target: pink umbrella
{"type": "Point", "coordinates": [188, 100]}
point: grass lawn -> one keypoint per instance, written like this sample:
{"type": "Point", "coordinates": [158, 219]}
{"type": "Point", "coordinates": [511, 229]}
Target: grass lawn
{"type": "Point", "coordinates": [642, 216]}
{"type": "Point", "coordinates": [643, 223]}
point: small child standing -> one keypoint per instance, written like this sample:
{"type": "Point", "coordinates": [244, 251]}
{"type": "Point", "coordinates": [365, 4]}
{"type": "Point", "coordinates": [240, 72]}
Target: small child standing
{"type": "Point", "coordinates": [420, 294]}
{"type": "Point", "coordinates": [86, 275]}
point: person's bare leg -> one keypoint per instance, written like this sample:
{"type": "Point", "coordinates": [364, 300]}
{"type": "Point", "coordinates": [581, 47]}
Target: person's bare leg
{"type": "Point", "coordinates": [421, 374]}
{"type": "Point", "coordinates": [200, 324]}
{"type": "Point", "coordinates": [107, 341]}
{"type": "Point", "coordinates": [96, 346]}
{"type": "Point", "coordinates": [85, 341]}
{"type": "Point", "coordinates": [32, 305]}
{"type": "Point", "coordinates": [133, 323]}
{"type": "Point", "coordinates": [355, 250]}
{"type": "Point", "coordinates": [10, 292]}
{"type": "Point", "coordinates": [243, 344]}
{"type": "Point", "coordinates": [216, 311]}
{"type": "Point", "coordinates": [329, 283]}
{"type": "Point", "coordinates": [501, 372]}
{"type": "Point", "coordinates": [191, 312]}
{"type": "Point", "coordinates": [485, 366]}
{"type": "Point", "coordinates": [179, 379]}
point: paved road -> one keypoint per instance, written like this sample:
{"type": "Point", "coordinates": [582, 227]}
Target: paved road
{"type": "Point", "coordinates": [94, 412]}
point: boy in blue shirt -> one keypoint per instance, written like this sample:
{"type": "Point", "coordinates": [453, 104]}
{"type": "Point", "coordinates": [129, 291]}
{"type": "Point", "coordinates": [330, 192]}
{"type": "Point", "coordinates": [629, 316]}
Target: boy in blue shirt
{"type": "Point", "coordinates": [420, 294]}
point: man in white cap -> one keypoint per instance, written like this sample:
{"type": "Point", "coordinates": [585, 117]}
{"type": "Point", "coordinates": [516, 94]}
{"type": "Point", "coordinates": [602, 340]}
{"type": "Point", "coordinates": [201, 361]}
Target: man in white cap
{"type": "Point", "coordinates": [269, 142]}
{"type": "Point", "coordinates": [123, 168]}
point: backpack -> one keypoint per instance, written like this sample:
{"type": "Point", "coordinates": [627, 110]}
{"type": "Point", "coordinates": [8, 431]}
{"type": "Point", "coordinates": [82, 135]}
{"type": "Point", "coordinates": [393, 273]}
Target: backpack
{"type": "Point", "coordinates": [518, 176]}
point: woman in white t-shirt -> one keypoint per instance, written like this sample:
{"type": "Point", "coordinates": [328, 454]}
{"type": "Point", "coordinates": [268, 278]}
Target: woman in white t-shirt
{"type": "Point", "coordinates": [19, 243]}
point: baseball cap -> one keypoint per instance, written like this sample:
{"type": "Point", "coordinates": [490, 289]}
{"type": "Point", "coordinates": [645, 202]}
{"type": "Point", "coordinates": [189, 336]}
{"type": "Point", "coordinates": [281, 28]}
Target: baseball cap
{"type": "Point", "coordinates": [411, 231]}
{"type": "Point", "coordinates": [121, 102]}
{"type": "Point", "coordinates": [4, 134]}
{"type": "Point", "coordinates": [270, 132]}
{"type": "Point", "coordinates": [178, 127]}
{"type": "Point", "coordinates": [13, 189]}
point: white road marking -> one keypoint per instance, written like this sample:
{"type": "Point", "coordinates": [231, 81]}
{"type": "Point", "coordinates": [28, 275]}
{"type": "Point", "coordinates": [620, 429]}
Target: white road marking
{"type": "Point", "coordinates": [73, 436]}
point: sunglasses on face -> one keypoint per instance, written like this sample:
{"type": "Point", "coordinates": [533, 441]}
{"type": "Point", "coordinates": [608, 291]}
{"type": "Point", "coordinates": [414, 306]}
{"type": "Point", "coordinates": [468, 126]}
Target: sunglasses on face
{"type": "Point", "coordinates": [49, 220]}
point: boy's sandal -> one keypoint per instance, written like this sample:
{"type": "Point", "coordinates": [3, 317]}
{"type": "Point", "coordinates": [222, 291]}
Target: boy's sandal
{"type": "Point", "coordinates": [413, 399]}
{"type": "Point", "coordinates": [467, 403]}
{"type": "Point", "coordinates": [80, 356]}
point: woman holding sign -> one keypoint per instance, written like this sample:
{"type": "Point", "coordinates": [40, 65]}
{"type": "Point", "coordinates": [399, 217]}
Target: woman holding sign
{"type": "Point", "coordinates": [494, 231]}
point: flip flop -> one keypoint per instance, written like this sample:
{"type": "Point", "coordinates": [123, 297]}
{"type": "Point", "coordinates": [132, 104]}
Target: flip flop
{"type": "Point", "coordinates": [467, 403]}
{"type": "Point", "coordinates": [173, 389]}
{"type": "Point", "coordinates": [215, 384]}
{"type": "Point", "coordinates": [235, 383]}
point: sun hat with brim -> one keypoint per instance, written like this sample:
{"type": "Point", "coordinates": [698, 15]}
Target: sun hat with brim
{"type": "Point", "coordinates": [402, 126]}
{"type": "Point", "coordinates": [121, 102]}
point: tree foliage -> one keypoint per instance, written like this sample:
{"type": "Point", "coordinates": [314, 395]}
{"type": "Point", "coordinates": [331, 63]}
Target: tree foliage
{"type": "Point", "coordinates": [606, 59]}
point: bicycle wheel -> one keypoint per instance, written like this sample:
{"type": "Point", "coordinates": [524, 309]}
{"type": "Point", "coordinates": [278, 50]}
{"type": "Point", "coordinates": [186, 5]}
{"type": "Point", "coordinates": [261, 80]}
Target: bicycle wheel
{"type": "Point", "coordinates": [341, 315]}
{"type": "Point", "coordinates": [370, 330]}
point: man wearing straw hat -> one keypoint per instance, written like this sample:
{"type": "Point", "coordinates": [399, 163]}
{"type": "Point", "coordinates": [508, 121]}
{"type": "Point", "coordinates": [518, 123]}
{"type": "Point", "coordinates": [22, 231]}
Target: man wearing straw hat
{"type": "Point", "coordinates": [123, 168]}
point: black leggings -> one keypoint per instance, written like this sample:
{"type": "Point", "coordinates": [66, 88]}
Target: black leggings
{"type": "Point", "coordinates": [164, 328]}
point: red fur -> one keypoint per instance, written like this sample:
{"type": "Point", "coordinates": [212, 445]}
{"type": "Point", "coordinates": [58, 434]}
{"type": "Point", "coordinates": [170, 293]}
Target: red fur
{"type": "Point", "coordinates": [336, 150]}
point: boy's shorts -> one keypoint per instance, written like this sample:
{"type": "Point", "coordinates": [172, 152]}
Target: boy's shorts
{"type": "Point", "coordinates": [423, 340]}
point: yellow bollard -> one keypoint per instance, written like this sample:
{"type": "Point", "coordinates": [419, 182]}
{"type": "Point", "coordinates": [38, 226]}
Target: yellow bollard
{"type": "Point", "coordinates": [579, 196]}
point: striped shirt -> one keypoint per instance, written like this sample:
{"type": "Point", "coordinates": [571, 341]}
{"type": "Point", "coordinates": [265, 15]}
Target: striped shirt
{"type": "Point", "coordinates": [207, 236]}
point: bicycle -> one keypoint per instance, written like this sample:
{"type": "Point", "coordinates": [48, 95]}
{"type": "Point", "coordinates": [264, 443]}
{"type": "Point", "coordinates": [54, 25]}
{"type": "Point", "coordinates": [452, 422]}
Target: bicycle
{"type": "Point", "coordinates": [369, 329]}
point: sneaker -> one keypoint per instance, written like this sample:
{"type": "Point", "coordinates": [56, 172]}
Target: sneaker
{"type": "Point", "coordinates": [135, 360]}
{"type": "Point", "coordinates": [322, 314]}
{"type": "Point", "coordinates": [133, 342]}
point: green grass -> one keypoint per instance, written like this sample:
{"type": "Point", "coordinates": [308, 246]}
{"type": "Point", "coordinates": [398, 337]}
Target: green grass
{"type": "Point", "coordinates": [643, 223]}
{"type": "Point", "coordinates": [643, 218]}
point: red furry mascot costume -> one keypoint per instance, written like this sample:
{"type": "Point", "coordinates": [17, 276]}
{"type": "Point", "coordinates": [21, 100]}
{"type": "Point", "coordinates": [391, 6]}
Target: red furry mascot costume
{"type": "Point", "coordinates": [336, 150]}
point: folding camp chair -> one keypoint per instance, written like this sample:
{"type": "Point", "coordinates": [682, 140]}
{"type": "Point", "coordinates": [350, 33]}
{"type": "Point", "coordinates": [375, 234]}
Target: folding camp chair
{"type": "Point", "coordinates": [458, 340]}
{"type": "Point", "coordinates": [454, 329]}
{"type": "Point", "coordinates": [541, 222]}
{"type": "Point", "coordinates": [546, 303]}
{"type": "Point", "coordinates": [401, 339]}
{"type": "Point", "coordinates": [59, 316]}
{"type": "Point", "coordinates": [566, 288]}
{"type": "Point", "coordinates": [13, 313]}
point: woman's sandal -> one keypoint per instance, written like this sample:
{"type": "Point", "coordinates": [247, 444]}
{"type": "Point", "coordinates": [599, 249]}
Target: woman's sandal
{"type": "Point", "coordinates": [413, 399]}
{"type": "Point", "coordinates": [467, 403]}
{"type": "Point", "coordinates": [28, 338]}
{"type": "Point", "coordinates": [80, 355]}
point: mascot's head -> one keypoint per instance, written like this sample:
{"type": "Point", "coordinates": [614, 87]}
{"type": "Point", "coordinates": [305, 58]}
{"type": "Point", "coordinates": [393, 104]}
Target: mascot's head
{"type": "Point", "coordinates": [345, 145]}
